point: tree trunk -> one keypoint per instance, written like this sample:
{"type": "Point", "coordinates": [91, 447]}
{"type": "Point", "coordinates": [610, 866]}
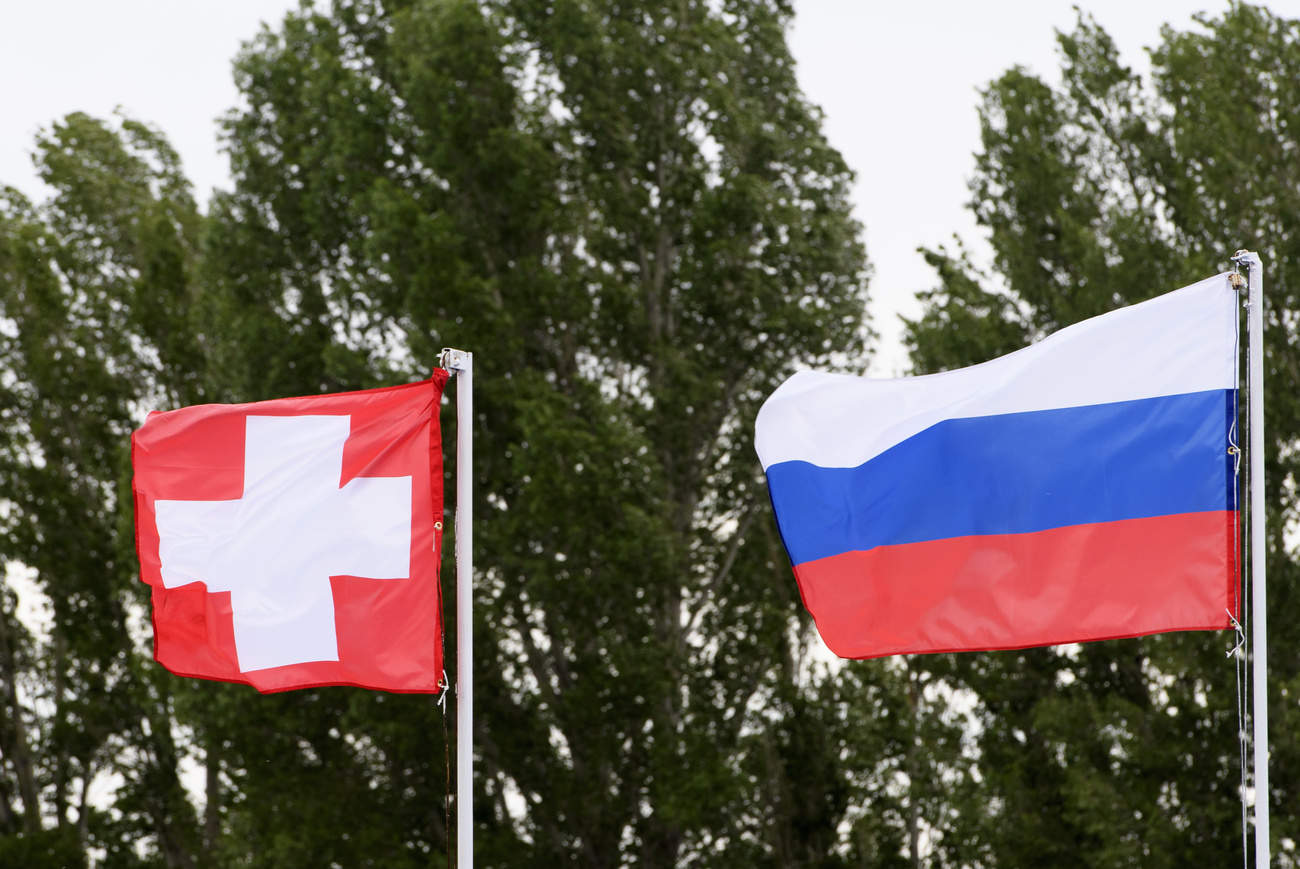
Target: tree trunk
{"type": "Point", "coordinates": [212, 810]}
{"type": "Point", "coordinates": [61, 758]}
{"type": "Point", "coordinates": [18, 751]}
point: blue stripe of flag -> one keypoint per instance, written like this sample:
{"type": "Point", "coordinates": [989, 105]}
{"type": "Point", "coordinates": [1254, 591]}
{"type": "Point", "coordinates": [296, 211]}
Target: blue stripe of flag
{"type": "Point", "coordinates": [1015, 473]}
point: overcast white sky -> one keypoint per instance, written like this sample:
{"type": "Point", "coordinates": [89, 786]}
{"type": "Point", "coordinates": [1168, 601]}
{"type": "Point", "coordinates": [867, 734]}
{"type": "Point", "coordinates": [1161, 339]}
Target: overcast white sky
{"type": "Point", "coordinates": [898, 83]}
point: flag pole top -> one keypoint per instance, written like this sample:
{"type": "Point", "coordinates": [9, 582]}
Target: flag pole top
{"type": "Point", "coordinates": [456, 360]}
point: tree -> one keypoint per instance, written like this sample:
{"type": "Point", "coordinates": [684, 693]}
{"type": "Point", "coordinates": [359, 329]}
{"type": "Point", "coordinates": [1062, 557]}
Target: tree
{"type": "Point", "coordinates": [630, 214]}
{"type": "Point", "coordinates": [96, 288]}
{"type": "Point", "coordinates": [1102, 192]}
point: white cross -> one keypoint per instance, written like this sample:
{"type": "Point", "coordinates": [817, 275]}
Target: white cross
{"type": "Point", "coordinates": [276, 548]}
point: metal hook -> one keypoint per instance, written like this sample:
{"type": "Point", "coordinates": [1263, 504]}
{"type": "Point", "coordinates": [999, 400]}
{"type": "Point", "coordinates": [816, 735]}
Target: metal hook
{"type": "Point", "coordinates": [1241, 635]}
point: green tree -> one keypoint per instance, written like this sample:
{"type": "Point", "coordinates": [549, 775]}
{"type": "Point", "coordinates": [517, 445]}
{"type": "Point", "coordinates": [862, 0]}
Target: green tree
{"type": "Point", "coordinates": [630, 213]}
{"type": "Point", "coordinates": [631, 216]}
{"type": "Point", "coordinates": [96, 288]}
{"type": "Point", "coordinates": [1100, 192]}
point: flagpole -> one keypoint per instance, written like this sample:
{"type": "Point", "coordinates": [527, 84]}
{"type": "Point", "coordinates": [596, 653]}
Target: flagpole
{"type": "Point", "coordinates": [462, 363]}
{"type": "Point", "coordinates": [1259, 608]}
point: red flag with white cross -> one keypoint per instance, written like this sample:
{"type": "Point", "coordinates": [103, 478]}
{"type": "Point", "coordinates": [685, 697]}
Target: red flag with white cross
{"type": "Point", "coordinates": [296, 543]}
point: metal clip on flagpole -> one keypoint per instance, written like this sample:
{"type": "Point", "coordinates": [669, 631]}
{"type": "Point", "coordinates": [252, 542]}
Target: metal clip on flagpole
{"type": "Point", "coordinates": [1259, 610]}
{"type": "Point", "coordinates": [462, 363]}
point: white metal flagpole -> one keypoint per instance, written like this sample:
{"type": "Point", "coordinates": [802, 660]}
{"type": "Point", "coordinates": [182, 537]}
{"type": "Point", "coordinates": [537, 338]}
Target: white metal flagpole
{"type": "Point", "coordinates": [462, 363]}
{"type": "Point", "coordinates": [1259, 607]}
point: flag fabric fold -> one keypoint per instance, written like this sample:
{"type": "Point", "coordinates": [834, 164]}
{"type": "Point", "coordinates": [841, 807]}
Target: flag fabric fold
{"type": "Point", "coordinates": [1082, 488]}
{"type": "Point", "coordinates": [296, 543]}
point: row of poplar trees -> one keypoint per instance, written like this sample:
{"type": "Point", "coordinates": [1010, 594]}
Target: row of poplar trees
{"type": "Point", "coordinates": [629, 211]}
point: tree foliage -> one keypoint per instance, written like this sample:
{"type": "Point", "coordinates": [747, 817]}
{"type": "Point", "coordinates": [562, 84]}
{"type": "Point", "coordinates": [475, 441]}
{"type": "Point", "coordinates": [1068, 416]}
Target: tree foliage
{"type": "Point", "coordinates": [631, 216]}
{"type": "Point", "coordinates": [1103, 191]}
{"type": "Point", "coordinates": [96, 292]}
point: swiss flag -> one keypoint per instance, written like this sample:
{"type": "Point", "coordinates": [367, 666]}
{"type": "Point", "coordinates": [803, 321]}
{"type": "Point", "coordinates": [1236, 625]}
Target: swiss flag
{"type": "Point", "coordinates": [296, 543]}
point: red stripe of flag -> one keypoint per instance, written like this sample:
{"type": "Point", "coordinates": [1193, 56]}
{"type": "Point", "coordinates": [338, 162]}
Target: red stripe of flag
{"type": "Point", "coordinates": [1010, 591]}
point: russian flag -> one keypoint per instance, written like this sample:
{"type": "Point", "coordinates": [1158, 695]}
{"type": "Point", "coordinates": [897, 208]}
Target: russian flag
{"type": "Point", "coordinates": [1082, 488]}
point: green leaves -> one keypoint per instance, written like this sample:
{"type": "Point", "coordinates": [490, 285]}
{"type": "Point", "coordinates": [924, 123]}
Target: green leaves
{"type": "Point", "coordinates": [98, 284]}
{"type": "Point", "coordinates": [1098, 193]}
{"type": "Point", "coordinates": [630, 215]}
